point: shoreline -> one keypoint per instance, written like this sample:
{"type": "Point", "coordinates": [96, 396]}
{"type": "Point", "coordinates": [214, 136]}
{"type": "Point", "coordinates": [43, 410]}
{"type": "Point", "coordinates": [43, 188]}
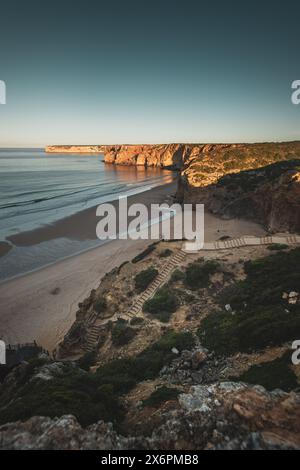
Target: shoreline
{"type": "Point", "coordinates": [78, 227]}
{"type": "Point", "coordinates": [81, 225]}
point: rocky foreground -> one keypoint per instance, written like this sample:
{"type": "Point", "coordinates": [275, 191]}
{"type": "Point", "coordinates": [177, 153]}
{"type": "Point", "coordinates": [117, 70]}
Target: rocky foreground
{"type": "Point", "coordinates": [228, 416]}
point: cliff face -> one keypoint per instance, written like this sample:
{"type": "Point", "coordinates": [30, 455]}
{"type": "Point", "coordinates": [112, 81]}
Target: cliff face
{"type": "Point", "coordinates": [209, 175]}
{"type": "Point", "coordinates": [269, 195]}
{"type": "Point", "coordinates": [258, 182]}
{"type": "Point", "coordinates": [164, 156]}
{"type": "Point", "coordinates": [75, 148]}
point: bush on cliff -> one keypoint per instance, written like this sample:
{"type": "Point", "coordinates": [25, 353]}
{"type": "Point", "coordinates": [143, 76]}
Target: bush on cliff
{"type": "Point", "coordinates": [197, 274]}
{"type": "Point", "coordinates": [72, 391]}
{"type": "Point", "coordinates": [162, 304]}
{"type": "Point", "coordinates": [144, 278]}
{"type": "Point", "coordinates": [161, 395]}
{"type": "Point", "coordinates": [122, 334]}
{"type": "Point", "coordinates": [165, 253]}
{"type": "Point", "coordinates": [123, 374]}
{"type": "Point", "coordinates": [177, 275]}
{"type": "Point", "coordinates": [100, 305]}
{"type": "Point", "coordinates": [87, 360]}
{"type": "Point", "coordinates": [144, 253]}
{"type": "Point", "coordinates": [272, 375]}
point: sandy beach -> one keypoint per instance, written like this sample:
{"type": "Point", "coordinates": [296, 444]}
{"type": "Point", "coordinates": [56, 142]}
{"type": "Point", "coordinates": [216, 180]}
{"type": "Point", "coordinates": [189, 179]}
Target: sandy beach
{"type": "Point", "coordinates": [41, 305]}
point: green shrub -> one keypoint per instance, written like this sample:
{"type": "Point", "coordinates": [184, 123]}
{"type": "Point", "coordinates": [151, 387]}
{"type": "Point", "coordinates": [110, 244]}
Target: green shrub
{"type": "Point", "coordinates": [136, 321]}
{"type": "Point", "coordinates": [122, 334]}
{"type": "Point", "coordinates": [87, 360]}
{"type": "Point", "coordinates": [100, 305]}
{"type": "Point", "coordinates": [161, 395]}
{"type": "Point", "coordinates": [164, 300]}
{"type": "Point", "coordinates": [262, 318]}
{"type": "Point", "coordinates": [144, 253]}
{"type": "Point", "coordinates": [277, 247]}
{"type": "Point", "coordinates": [124, 373]}
{"type": "Point", "coordinates": [165, 253]}
{"type": "Point", "coordinates": [272, 375]}
{"type": "Point", "coordinates": [177, 275]}
{"type": "Point", "coordinates": [75, 392]}
{"type": "Point", "coordinates": [163, 316]}
{"type": "Point", "coordinates": [144, 278]}
{"type": "Point", "coordinates": [197, 274]}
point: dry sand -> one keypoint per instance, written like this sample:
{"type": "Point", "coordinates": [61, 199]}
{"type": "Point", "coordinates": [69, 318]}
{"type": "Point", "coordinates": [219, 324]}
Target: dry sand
{"type": "Point", "coordinates": [42, 305]}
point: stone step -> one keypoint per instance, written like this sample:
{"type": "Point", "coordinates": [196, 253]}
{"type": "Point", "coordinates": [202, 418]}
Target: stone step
{"type": "Point", "coordinates": [93, 335]}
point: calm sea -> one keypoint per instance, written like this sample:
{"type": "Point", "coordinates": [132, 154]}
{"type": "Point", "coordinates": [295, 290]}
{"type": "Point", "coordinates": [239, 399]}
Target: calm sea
{"type": "Point", "coordinates": [37, 188]}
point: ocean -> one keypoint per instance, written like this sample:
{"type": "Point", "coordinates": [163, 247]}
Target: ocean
{"type": "Point", "coordinates": [38, 188]}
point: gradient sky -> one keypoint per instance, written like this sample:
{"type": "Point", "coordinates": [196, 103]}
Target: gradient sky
{"type": "Point", "coordinates": [98, 72]}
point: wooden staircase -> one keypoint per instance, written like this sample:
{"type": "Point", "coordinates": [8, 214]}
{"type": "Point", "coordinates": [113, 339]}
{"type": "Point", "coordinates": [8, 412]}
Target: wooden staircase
{"type": "Point", "coordinates": [136, 308]}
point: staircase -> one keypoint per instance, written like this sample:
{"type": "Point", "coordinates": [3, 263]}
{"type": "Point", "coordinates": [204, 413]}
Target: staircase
{"type": "Point", "coordinates": [136, 308]}
{"type": "Point", "coordinates": [92, 337]}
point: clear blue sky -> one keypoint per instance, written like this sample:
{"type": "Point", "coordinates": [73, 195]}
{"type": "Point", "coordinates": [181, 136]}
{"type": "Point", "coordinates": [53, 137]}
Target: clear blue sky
{"type": "Point", "coordinates": [148, 71]}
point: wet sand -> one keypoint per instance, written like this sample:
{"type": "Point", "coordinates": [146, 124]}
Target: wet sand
{"type": "Point", "coordinates": [42, 305]}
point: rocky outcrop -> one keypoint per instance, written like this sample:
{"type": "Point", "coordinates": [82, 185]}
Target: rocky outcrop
{"type": "Point", "coordinates": [258, 182]}
{"type": "Point", "coordinates": [269, 195]}
{"type": "Point", "coordinates": [220, 416]}
{"type": "Point", "coordinates": [75, 148]}
{"type": "Point", "coordinates": [64, 433]}
{"type": "Point", "coordinates": [164, 156]}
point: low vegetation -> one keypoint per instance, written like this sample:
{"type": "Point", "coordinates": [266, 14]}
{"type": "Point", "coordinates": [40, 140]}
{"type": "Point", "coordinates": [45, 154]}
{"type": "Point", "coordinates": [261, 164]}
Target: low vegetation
{"type": "Point", "coordinates": [144, 253]}
{"type": "Point", "coordinates": [122, 334]}
{"type": "Point", "coordinates": [123, 374]}
{"type": "Point", "coordinates": [87, 360]}
{"type": "Point", "coordinates": [163, 304]}
{"type": "Point", "coordinates": [144, 278]}
{"type": "Point", "coordinates": [100, 305]}
{"type": "Point", "coordinates": [165, 253]}
{"type": "Point", "coordinates": [177, 275]}
{"type": "Point", "coordinates": [89, 396]}
{"type": "Point", "coordinates": [198, 273]}
{"type": "Point", "coordinates": [277, 247]}
{"type": "Point", "coordinates": [136, 321]}
{"type": "Point", "coordinates": [161, 395]}
{"type": "Point", "coordinates": [72, 391]}
{"type": "Point", "coordinates": [272, 375]}
{"type": "Point", "coordinates": [260, 316]}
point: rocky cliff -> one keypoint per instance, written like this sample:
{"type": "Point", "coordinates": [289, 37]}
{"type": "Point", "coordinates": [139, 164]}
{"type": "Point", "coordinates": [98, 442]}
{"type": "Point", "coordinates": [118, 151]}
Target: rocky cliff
{"type": "Point", "coordinates": [268, 195]}
{"type": "Point", "coordinates": [164, 156]}
{"type": "Point", "coordinates": [258, 182]}
{"type": "Point", "coordinates": [75, 148]}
